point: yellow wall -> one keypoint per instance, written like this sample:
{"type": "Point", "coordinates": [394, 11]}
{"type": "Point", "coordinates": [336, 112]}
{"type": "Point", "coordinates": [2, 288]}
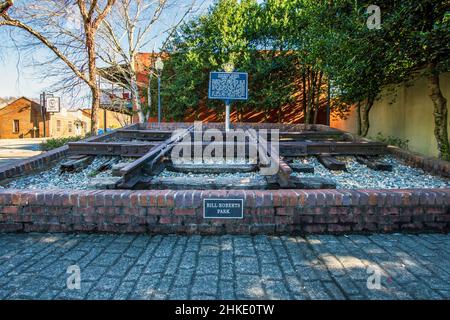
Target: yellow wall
{"type": "Point", "coordinates": [64, 117]}
{"type": "Point", "coordinates": [114, 120]}
{"type": "Point", "coordinates": [408, 114]}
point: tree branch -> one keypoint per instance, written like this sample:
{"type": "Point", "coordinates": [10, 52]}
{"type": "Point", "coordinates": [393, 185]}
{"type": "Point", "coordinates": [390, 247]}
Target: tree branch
{"type": "Point", "coordinates": [83, 11]}
{"type": "Point", "coordinates": [8, 21]}
{"type": "Point", "coordinates": [103, 14]}
{"type": "Point", "coordinates": [5, 5]}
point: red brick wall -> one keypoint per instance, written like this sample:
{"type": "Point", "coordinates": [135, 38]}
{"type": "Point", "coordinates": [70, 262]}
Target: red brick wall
{"type": "Point", "coordinates": [283, 211]}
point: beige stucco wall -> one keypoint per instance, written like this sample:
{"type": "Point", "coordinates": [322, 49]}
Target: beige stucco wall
{"type": "Point", "coordinates": [406, 114]}
{"type": "Point", "coordinates": [78, 120]}
{"type": "Point", "coordinates": [114, 119]}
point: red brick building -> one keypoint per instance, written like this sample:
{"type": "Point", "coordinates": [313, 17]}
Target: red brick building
{"type": "Point", "coordinates": [22, 118]}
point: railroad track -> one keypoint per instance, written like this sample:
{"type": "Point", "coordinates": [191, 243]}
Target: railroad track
{"type": "Point", "coordinates": [151, 149]}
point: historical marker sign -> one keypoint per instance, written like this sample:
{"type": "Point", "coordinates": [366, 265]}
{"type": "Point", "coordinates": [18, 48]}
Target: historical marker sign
{"type": "Point", "coordinates": [228, 86]}
{"type": "Point", "coordinates": [223, 208]}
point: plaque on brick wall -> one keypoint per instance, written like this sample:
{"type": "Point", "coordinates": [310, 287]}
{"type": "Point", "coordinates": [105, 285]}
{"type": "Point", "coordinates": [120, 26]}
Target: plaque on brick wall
{"type": "Point", "coordinates": [223, 208]}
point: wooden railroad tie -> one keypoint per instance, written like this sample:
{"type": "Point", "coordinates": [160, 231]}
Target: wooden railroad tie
{"type": "Point", "coordinates": [211, 168]}
{"type": "Point", "coordinates": [332, 163]}
{"type": "Point", "coordinates": [374, 164]}
{"type": "Point", "coordinates": [149, 135]}
{"type": "Point", "coordinates": [312, 183]}
{"type": "Point", "coordinates": [128, 149]}
{"type": "Point", "coordinates": [332, 148]}
{"type": "Point", "coordinates": [303, 168]}
{"type": "Point", "coordinates": [76, 163]}
{"type": "Point", "coordinates": [106, 165]}
{"type": "Point", "coordinates": [287, 149]}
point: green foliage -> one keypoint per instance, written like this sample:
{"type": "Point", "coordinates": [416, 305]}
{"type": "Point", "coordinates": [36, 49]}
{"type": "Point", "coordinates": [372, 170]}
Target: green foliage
{"type": "Point", "coordinates": [231, 32]}
{"type": "Point", "coordinates": [394, 141]}
{"type": "Point", "coordinates": [54, 143]}
{"type": "Point", "coordinates": [280, 41]}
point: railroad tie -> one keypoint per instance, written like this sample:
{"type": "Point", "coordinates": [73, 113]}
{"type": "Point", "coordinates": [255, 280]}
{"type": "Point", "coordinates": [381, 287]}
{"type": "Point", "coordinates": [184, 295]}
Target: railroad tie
{"type": "Point", "coordinates": [303, 168]}
{"type": "Point", "coordinates": [331, 163]}
{"type": "Point", "coordinates": [76, 164]}
{"type": "Point", "coordinates": [374, 163]}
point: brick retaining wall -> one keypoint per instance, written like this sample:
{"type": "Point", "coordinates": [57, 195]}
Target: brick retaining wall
{"type": "Point", "coordinates": [32, 164]}
{"type": "Point", "coordinates": [428, 164]}
{"type": "Point", "coordinates": [170, 211]}
{"type": "Point", "coordinates": [268, 212]}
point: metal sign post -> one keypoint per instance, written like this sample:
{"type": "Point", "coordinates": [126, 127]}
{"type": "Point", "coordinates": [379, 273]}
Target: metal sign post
{"type": "Point", "coordinates": [227, 115]}
{"type": "Point", "coordinates": [43, 112]}
{"type": "Point", "coordinates": [49, 103]}
{"type": "Point", "coordinates": [228, 86]}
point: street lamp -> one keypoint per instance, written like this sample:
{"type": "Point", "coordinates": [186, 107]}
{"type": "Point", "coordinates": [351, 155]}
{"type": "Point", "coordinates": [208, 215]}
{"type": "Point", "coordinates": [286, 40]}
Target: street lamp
{"type": "Point", "coordinates": [159, 66]}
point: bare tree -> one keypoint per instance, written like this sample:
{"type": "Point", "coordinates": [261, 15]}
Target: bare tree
{"type": "Point", "coordinates": [46, 22]}
{"type": "Point", "coordinates": [131, 28]}
{"type": "Point", "coordinates": [5, 5]}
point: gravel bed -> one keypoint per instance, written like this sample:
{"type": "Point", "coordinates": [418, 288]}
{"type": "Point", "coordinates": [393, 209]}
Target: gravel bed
{"type": "Point", "coordinates": [207, 160]}
{"type": "Point", "coordinates": [359, 176]}
{"type": "Point", "coordinates": [53, 179]}
{"type": "Point", "coordinates": [135, 141]}
{"type": "Point", "coordinates": [243, 175]}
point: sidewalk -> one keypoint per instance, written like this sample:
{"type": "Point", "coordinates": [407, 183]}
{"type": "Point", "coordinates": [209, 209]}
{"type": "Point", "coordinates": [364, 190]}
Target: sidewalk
{"type": "Point", "coordinates": [18, 149]}
{"type": "Point", "coordinates": [34, 266]}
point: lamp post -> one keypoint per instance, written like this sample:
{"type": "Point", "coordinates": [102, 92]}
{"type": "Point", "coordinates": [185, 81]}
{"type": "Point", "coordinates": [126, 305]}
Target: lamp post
{"type": "Point", "coordinates": [159, 66]}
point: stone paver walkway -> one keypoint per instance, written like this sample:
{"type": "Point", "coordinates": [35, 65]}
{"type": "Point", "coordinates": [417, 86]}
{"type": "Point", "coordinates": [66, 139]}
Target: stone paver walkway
{"type": "Point", "coordinates": [229, 267]}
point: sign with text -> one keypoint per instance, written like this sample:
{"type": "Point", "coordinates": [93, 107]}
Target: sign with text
{"type": "Point", "coordinates": [223, 208]}
{"type": "Point", "coordinates": [228, 86]}
{"type": "Point", "coordinates": [52, 104]}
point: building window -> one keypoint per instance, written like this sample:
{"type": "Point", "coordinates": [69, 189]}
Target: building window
{"type": "Point", "coordinates": [58, 125]}
{"type": "Point", "coordinates": [15, 126]}
{"type": "Point", "coordinates": [69, 126]}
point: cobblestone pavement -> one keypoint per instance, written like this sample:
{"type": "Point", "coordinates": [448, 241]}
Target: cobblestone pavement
{"type": "Point", "coordinates": [34, 266]}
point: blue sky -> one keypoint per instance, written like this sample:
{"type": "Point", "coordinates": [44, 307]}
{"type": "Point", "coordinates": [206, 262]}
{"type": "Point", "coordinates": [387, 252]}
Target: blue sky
{"type": "Point", "coordinates": [26, 82]}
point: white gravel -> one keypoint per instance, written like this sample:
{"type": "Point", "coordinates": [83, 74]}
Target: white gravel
{"type": "Point", "coordinates": [52, 179]}
{"type": "Point", "coordinates": [207, 160]}
{"type": "Point", "coordinates": [170, 174]}
{"type": "Point", "coordinates": [135, 141]}
{"type": "Point", "coordinates": [359, 176]}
